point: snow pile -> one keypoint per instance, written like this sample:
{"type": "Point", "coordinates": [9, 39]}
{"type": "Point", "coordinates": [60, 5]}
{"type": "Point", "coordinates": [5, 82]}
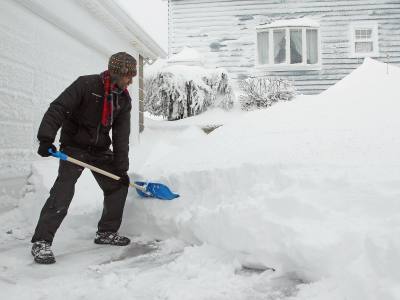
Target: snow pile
{"type": "Point", "coordinates": [309, 186]}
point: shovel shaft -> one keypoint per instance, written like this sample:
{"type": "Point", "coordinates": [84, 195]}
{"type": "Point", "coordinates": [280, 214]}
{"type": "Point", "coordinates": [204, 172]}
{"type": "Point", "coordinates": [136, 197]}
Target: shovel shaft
{"type": "Point", "coordinates": [144, 189]}
{"type": "Point", "coordinates": [93, 168]}
{"type": "Point", "coordinates": [100, 171]}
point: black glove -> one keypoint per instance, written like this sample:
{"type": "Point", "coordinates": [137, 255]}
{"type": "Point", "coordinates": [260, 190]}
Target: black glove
{"type": "Point", "coordinates": [124, 178]}
{"type": "Point", "coordinates": [44, 149]}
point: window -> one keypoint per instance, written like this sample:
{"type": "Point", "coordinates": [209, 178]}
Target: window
{"type": "Point", "coordinates": [279, 46]}
{"type": "Point", "coordinates": [364, 39]}
{"type": "Point", "coordinates": [312, 46]}
{"type": "Point", "coordinates": [262, 39]}
{"type": "Point", "coordinates": [295, 46]}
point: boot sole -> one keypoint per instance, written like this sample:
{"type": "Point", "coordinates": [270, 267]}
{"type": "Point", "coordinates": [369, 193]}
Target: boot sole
{"type": "Point", "coordinates": [44, 261]}
{"type": "Point", "coordinates": [105, 243]}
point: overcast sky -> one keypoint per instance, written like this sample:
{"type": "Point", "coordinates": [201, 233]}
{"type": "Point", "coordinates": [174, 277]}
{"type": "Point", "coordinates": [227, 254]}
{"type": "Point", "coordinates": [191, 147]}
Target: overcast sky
{"type": "Point", "coordinates": [152, 16]}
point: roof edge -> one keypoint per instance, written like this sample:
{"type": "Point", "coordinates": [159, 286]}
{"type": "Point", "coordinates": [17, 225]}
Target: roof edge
{"type": "Point", "coordinates": [109, 13]}
{"type": "Point", "coordinates": [143, 40]}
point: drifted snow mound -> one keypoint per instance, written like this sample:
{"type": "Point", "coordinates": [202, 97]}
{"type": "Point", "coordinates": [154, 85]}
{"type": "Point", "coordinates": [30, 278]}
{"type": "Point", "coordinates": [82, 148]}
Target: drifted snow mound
{"type": "Point", "coordinates": [309, 186]}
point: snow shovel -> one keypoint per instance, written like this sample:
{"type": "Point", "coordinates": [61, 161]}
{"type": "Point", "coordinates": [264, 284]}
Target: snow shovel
{"type": "Point", "coordinates": [144, 189]}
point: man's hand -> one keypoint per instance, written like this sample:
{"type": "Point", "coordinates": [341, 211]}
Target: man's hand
{"type": "Point", "coordinates": [124, 178]}
{"type": "Point", "coordinates": [44, 149]}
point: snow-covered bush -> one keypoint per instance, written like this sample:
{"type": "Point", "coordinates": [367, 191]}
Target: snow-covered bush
{"type": "Point", "coordinates": [261, 92]}
{"type": "Point", "coordinates": [177, 92]}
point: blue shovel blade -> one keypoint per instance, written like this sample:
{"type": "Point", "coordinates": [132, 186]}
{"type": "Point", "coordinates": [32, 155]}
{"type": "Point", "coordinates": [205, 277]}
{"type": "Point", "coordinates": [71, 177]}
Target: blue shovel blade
{"type": "Point", "coordinates": [156, 190]}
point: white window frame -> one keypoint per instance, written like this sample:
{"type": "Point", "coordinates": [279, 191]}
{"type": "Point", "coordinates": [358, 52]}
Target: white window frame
{"type": "Point", "coordinates": [287, 66]}
{"type": "Point", "coordinates": [374, 38]}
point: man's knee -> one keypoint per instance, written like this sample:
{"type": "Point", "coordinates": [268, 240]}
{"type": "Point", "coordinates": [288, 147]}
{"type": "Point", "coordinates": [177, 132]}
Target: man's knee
{"type": "Point", "coordinates": [115, 187]}
{"type": "Point", "coordinates": [69, 174]}
{"type": "Point", "coordinates": [60, 211]}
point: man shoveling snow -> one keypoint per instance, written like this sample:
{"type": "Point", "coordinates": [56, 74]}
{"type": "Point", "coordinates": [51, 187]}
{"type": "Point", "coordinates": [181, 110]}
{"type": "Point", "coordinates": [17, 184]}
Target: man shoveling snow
{"type": "Point", "coordinates": [86, 112]}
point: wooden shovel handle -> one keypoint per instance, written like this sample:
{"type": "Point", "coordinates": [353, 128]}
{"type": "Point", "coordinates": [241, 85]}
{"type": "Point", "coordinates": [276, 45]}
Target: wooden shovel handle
{"type": "Point", "coordinates": [100, 171]}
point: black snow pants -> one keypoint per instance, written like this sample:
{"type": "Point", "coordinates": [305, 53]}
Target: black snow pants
{"type": "Point", "coordinates": [62, 192]}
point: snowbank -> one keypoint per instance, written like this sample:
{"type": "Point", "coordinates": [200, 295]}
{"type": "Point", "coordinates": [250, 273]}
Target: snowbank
{"type": "Point", "coordinates": [309, 186]}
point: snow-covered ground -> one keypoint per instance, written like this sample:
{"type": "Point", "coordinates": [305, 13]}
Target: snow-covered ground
{"type": "Point", "coordinates": [309, 187]}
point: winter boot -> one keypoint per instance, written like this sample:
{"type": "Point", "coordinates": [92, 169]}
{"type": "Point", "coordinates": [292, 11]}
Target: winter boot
{"type": "Point", "coordinates": [42, 253]}
{"type": "Point", "coordinates": [111, 238]}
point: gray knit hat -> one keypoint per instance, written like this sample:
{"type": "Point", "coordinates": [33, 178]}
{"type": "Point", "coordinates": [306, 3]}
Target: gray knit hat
{"type": "Point", "coordinates": [122, 63]}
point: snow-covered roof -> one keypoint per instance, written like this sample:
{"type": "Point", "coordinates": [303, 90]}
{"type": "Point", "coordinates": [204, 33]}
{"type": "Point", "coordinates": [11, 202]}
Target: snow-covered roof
{"type": "Point", "coordinates": [301, 22]}
{"type": "Point", "coordinates": [152, 17]}
{"type": "Point", "coordinates": [108, 13]}
{"type": "Point", "coordinates": [143, 40]}
{"type": "Point", "coordinates": [187, 56]}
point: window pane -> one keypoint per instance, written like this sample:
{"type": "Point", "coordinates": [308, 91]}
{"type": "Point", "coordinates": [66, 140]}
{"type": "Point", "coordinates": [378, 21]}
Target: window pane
{"type": "Point", "coordinates": [364, 47]}
{"type": "Point", "coordinates": [296, 56]}
{"type": "Point", "coordinates": [363, 34]}
{"type": "Point", "coordinates": [279, 46]}
{"type": "Point", "coordinates": [263, 46]}
{"type": "Point", "coordinates": [312, 46]}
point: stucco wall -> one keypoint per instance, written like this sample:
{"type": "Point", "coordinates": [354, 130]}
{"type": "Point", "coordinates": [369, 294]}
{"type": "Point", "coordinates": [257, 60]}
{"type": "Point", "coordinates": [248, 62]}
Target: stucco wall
{"type": "Point", "coordinates": [38, 60]}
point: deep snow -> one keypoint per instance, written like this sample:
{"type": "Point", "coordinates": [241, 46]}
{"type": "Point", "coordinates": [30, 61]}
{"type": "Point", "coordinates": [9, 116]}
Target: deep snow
{"type": "Point", "coordinates": [309, 187]}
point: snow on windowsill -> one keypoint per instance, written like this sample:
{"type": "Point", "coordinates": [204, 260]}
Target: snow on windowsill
{"type": "Point", "coordinates": [302, 22]}
{"type": "Point", "coordinates": [286, 67]}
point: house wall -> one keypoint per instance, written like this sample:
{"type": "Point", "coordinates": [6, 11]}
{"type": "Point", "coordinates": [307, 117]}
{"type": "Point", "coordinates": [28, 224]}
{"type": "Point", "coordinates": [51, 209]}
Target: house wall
{"type": "Point", "coordinates": [224, 32]}
{"type": "Point", "coordinates": [44, 46]}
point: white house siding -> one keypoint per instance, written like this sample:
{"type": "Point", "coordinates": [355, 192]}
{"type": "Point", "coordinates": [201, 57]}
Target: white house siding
{"type": "Point", "coordinates": [224, 31]}
{"type": "Point", "coordinates": [41, 53]}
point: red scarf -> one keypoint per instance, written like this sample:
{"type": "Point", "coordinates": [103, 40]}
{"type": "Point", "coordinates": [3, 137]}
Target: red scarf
{"type": "Point", "coordinates": [107, 113]}
{"type": "Point", "coordinates": [108, 101]}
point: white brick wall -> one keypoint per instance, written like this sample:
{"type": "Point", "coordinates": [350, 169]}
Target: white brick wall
{"type": "Point", "coordinates": [38, 60]}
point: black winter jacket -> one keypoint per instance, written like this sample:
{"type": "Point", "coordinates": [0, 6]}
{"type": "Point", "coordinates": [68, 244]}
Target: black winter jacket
{"type": "Point", "coordinates": [78, 112]}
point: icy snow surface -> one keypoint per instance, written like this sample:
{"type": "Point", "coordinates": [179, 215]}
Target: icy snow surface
{"type": "Point", "coordinates": [309, 187]}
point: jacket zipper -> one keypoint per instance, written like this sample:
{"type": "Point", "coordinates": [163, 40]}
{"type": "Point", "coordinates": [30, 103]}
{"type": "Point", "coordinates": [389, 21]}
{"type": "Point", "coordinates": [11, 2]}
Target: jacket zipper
{"type": "Point", "coordinates": [97, 134]}
{"type": "Point", "coordinates": [98, 125]}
